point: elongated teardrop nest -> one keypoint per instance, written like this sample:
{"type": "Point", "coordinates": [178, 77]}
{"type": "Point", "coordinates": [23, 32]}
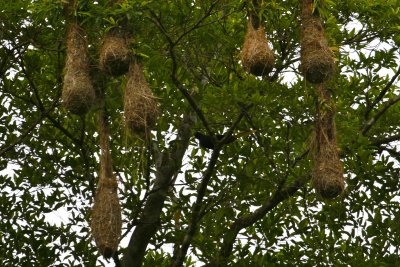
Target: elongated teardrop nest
{"type": "Point", "coordinates": [327, 174]}
{"type": "Point", "coordinates": [114, 53]}
{"type": "Point", "coordinates": [140, 107]}
{"type": "Point", "coordinates": [78, 94]}
{"type": "Point", "coordinates": [106, 217]}
{"type": "Point", "coordinates": [317, 61]}
{"type": "Point", "coordinates": [257, 57]}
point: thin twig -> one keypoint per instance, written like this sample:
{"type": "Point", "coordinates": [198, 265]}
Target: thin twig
{"type": "Point", "coordinates": [169, 163]}
{"type": "Point", "coordinates": [174, 75]}
{"type": "Point", "coordinates": [383, 92]}
{"type": "Point", "coordinates": [386, 140]}
{"type": "Point", "coordinates": [248, 220]}
{"type": "Point", "coordinates": [375, 118]}
{"type": "Point", "coordinates": [201, 191]}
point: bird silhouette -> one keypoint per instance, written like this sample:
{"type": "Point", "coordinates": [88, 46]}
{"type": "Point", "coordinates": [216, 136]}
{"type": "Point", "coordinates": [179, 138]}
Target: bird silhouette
{"type": "Point", "coordinates": [207, 142]}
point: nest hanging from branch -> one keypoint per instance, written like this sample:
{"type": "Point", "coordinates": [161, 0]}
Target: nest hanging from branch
{"type": "Point", "coordinates": [256, 56]}
{"type": "Point", "coordinates": [106, 212]}
{"type": "Point", "coordinates": [317, 61]}
{"type": "Point", "coordinates": [140, 106]}
{"type": "Point", "coordinates": [78, 94]}
{"type": "Point", "coordinates": [114, 53]}
{"type": "Point", "coordinates": [327, 174]}
{"type": "Point", "coordinates": [106, 217]}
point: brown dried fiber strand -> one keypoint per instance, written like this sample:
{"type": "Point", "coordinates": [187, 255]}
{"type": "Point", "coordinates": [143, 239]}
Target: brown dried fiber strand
{"type": "Point", "coordinates": [106, 212]}
{"type": "Point", "coordinates": [78, 94]}
{"type": "Point", "coordinates": [327, 174]}
{"type": "Point", "coordinates": [140, 106]}
{"type": "Point", "coordinates": [317, 61]}
{"type": "Point", "coordinates": [114, 53]}
{"type": "Point", "coordinates": [256, 56]}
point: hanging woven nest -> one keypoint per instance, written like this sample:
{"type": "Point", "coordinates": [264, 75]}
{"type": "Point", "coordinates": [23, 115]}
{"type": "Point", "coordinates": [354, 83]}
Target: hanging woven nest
{"type": "Point", "coordinates": [106, 212]}
{"type": "Point", "coordinates": [78, 94]}
{"type": "Point", "coordinates": [114, 53]}
{"type": "Point", "coordinates": [317, 60]}
{"type": "Point", "coordinates": [256, 56]}
{"type": "Point", "coordinates": [327, 174]}
{"type": "Point", "coordinates": [140, 107]}
{"type": "Point", "coordinates": [106, 217]}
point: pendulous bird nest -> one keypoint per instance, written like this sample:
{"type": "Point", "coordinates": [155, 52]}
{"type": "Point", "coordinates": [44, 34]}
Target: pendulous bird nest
{"type": "Point", "coordinates": [106, 212]}
{"type": "Point", "coordinates": [78, 94]}
{"type": "Point", "coordinates": [317, 61]}
{"type": "Point", "coordinates": [140, 106]}
{"type": "Point", "coordinates": [256, 56]}
{"type": "Point", "coordinates": [114, 53]}
{"type": "Point", "coordinates": [327, 174]}
{"type": "Point", "coordinates": [106, 217]}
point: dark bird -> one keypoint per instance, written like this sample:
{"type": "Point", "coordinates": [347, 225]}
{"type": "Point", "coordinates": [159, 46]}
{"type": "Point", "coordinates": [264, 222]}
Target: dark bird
{"type": "Point", "coordinates": [207, 142]}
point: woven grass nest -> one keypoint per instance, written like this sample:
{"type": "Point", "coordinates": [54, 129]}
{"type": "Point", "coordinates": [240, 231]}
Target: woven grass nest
{"type": "Point", "coordinates": [317, 61]}
{"type": "Point", "coordinates": [114, 53]}
{"type": "Point", "coordinates": [78, 94]}
{"type": "Point", "coordinates": [256, 56]}
{"type": "Point", "coordinates": [327, 174]}
{"type": "Point", "coordinates": [106, 217]}
{"type": "Point", "coordinates": [140, 106]}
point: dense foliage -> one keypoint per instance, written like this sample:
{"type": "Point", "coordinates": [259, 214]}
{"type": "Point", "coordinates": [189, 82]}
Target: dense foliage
{"type": "Point", "coordinates": [249, 203]}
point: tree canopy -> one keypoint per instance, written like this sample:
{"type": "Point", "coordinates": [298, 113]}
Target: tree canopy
{"type": "Point", "coordinates": [247, 203]}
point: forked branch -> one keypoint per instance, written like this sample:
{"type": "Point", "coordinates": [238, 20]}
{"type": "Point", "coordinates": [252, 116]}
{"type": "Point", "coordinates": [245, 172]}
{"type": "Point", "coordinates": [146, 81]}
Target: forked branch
{"type": "Point", "coordinates": [201, 192]}
{"type": "Point", "coordinates": [169, 163]}
{"type": "Point", "coordinates": [248, 220]}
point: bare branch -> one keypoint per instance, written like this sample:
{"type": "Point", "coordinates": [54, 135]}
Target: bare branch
{"type": "Point", "coordinates": [22, 136]}
{"type": "Point", "coordinates": [393, 152]}
{"type": "Point", "coordinates": [174, 76]}
{"type": "Point", "coordinates": [248, 220]}
{"type": "Point", "coordinates": [385, 140]}
{"type": "Point", "coordinates": [169, 163]}
{"type": "Point", "coordinates": [201, 191]}
{"type": "Point", "coordinates": [383, 92]}
{"type": "Point", "coordinates": [116, 260]}
{"type": "Point", "coordinates": [191, 231]}
{"type": "Point", "coordinates": [375, 118]}
{"type": "Point", "coordinates": [44, 113]}
{"type": "Point", "coordinates": [198, 23]}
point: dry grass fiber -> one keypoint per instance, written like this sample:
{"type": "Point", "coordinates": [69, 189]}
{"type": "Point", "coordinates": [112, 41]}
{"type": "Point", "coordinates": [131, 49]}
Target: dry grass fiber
{"type": "Point", "coordinates": [327, 174]}
{"type": "Point", "coordinates": [106, 212]}
{"type": "Point", "coordinates": [317, 61]}
{"type": "Point", "coordinates": [114, 54]}
{"type": "Point", "coordinates": [257, 57]}
{"type": "Point", "coordinates": [140, 107]}
{"type": "Point", "coordinates": [78, 94]}
{"type": "Point", "coordinates": [106, 217]}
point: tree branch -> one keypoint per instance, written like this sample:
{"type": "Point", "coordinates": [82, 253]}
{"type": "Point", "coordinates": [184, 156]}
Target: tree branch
{"type": "Point", "coordinates": [170, 162]}
{"type": "Point", "coordinates": [375, 118]}
{"type": "Point", "coordinates": [174, 75]}
{"type": "Point", "coordinates": [385, 140]}
{"type": "Point", "coordinates": [393, 152]}
{"type": "Point", "coordinates": [248, 220]}
{"type": "Point", "coordinates": [32, 85]}
{"type": "Point", "coordinates": [198, 23]}
{"type": "Point", "coordinates": [116, 260]}
{"type": "Point", "coordinates": [41, 107]}
{"type": "Point", "coordinates": [201, 191]}
{"type": "Point", "coordinates": [22, 136]}
{"type": "Point", "coordinates": [383, 92]}
{"type": "Point", "coordinates": [44, 113]}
